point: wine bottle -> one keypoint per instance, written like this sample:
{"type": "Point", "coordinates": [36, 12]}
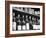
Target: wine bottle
{"type": "Point", "coordinates": [27, 23]}
{"type": "Point", "coordinates": [14, 24]}
{"type": "Point", "coordinates": [30, 25]}
{"type": "Point", "coordinates": [23, 26]}
{"type": "Point", "coordinates": [19, 24]}
{"type": "Point", "coordinates": [23, 22]}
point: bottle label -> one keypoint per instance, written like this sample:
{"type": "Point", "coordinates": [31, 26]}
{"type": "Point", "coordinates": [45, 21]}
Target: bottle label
{"type": "Point", "coordinates": [14, 25]}
{"type": "Point", "coordinates": [23, 27]}
{"type": "Point", "coordinates": [27, 26]}
{"type": "Point", "coordinates": [19, 27]}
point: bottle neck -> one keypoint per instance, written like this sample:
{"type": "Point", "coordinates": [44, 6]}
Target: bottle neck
{"type": "Point", "coordinates": [30, 22]}
{"type": "Point", "coordinates": [23, 22]}
{"type": "Point", "coordinates": [27, 20]}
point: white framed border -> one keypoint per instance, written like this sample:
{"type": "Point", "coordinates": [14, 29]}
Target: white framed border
{"type": "Point", "coordinates": [30, 31]}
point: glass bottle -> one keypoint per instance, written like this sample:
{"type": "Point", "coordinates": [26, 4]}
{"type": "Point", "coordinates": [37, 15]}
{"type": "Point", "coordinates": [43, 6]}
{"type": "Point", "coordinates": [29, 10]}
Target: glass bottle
{"type": "Point", "coordinates": [27, 23]}
{"type": "Point", "coordinates": [19, 25]}
{"type": "Point", "coordinates": [30, 25]}
{"type": "Point", "coordinates": [14, 24]}
{"type": "Point", "coordinates": [23, 25]}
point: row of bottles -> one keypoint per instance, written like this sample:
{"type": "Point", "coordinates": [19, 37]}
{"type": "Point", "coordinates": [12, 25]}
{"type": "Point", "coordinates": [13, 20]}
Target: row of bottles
{"type": "Point", "coordinates": [24, 17]}
{"type": "Point", "coordinates": [23, 25]}
{"type": "Point", "coordinates": [24, 22]}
